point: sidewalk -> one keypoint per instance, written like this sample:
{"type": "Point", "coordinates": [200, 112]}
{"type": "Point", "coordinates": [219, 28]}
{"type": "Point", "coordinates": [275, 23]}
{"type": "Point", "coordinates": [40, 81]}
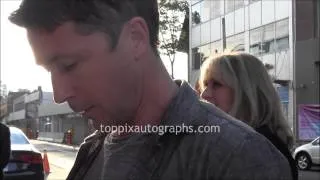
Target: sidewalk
{"type": "Point", "coordinates": [70, 147]}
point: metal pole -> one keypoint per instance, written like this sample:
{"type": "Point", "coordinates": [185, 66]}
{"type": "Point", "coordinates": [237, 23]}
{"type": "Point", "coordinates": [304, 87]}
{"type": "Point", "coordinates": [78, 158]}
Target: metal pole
{"type": "Point", "coordinates": [224, 43]}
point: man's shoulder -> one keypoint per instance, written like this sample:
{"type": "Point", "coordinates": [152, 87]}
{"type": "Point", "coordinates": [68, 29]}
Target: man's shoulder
{"type": "Point", "coordinates": [226, 150]}
{"type": "Point", "coordinates": [226, 134]}
{"type": "Point", "coordinates": [209, 115]}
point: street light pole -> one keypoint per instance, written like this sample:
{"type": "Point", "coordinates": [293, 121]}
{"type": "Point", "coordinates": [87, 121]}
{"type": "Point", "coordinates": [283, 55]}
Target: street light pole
{"type": "Point", "coordinates": [224, 43]}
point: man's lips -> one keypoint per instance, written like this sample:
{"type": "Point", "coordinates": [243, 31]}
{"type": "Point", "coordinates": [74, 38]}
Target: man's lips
{"type": "Point", "coordinates": [85, 111]}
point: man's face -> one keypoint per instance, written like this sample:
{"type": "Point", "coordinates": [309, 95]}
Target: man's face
{"type": "Point", "coordinates": [102, 83]}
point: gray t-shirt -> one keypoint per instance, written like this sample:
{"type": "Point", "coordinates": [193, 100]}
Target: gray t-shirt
{"type": "Point", "coordinates": [118, 156]}
{"type": "Point", "coordinates": [124, 155]}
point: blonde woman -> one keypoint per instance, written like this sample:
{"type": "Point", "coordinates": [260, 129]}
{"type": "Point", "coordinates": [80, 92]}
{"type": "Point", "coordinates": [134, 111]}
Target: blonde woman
{"type": "Point", "coordinates": [239, 84]}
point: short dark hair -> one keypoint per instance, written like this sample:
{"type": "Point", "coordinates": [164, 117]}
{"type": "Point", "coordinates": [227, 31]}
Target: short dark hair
{"type": "Point", "coordinates": [89, 16]}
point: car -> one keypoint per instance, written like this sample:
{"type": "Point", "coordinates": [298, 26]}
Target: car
{"type": "Point", "coordinates": [25, 160]}
{"type": "Point", "coordinates": [308, 154]}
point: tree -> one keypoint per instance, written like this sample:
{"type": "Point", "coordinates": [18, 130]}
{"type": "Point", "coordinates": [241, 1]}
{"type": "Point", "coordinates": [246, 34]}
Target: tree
{"type": "Point", "coordinates": [3, 91]}
{"type": "Point", "coordinates": [171, 17]}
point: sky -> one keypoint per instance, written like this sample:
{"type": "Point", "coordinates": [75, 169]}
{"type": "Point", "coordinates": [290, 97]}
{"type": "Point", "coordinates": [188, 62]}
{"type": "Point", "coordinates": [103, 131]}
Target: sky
{"type": "Point", "coordinates": [17, 64]}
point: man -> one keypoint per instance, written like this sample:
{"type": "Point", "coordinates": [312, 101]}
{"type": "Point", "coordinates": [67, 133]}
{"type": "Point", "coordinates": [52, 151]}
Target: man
{"type": "Point", "coordinates": [5, 147]}
{"type": "Point", "coordinates": [103, 60]}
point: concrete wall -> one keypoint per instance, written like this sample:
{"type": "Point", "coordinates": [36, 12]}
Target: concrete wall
{"type": "Point", "coordinates": [306, 84]}
{"type": "Point", "coordinates": [47, 97]}
{"type": "Point", "coordinates": [17, 115]}
{"type": "Point", "coordinates": [53, 109]}
{"type": "Point", "coordinates": [51, 136]}
{"type": "Point", "coordinates": [32, 97]}
{"type": "Point", "coordinates": [80, 127]}
{"type": "Point", "coordinates": [60, 124]}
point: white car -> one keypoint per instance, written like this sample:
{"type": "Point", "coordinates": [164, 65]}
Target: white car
{"type": "Point", "coordinates": [308, 155]}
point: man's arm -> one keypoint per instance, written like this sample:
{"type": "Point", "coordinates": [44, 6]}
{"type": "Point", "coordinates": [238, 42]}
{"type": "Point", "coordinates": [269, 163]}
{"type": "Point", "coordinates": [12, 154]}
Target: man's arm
{"type": "Point", "coordinates": [4, 145]}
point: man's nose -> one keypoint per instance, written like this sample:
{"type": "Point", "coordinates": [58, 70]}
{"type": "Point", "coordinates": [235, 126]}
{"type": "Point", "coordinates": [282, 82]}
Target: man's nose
{"type": "Point", "coordinates": [62, 88]}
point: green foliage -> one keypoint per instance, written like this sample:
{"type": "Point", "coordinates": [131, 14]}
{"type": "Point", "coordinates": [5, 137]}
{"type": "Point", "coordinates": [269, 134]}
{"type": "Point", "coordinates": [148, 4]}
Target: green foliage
{"type": "Point", "coordinates": [172, 14]}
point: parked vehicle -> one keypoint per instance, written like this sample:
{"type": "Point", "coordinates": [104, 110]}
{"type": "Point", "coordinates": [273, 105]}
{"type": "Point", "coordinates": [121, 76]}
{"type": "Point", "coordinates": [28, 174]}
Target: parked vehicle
{"type": "Point", "coordinates": [308, 155]}
{"type": "Point", "coordinates": [25, 160]}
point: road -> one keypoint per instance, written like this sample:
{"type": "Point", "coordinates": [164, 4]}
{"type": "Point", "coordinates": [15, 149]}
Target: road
{"type": "Point", "coordinates": [61, 159]}
{"type": "Point", "coordinates": [312, 174]}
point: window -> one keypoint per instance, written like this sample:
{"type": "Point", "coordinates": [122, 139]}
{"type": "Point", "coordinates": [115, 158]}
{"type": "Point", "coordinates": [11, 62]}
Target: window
{"type": "Point", "coordinates": [239, 21]}
{"type": "Point", "coordinates": [262, 40]}
{"type": "Point", "coordinates": [215, 9]}
{"type": "Point", "coordinates": [19, 106]}
{"type": "Point", "coordinates": [281, 9]}
{"type": "Point", "coordinates": [282, 43]}
{"type": "Point", "coordinates": [268, 12]}
{"type": "Point", "coordinates": [229, 21]}
{"type": "Point", "coordinates": [205, 10]}
{"type": "Point", "coordinates": [235, 43]}
{"type": "Point", "coordinates": [255, 15]}
{"type": "Point", "coordinates": [18, 138]}
{"type": "Point", "coordinates": [238, 4]}
{"type": "Point", "coordinates": [282, 35]}
{"type": "Point", "coordinates": [216, 47]}
{"type": "Point", "coordinates": [283, 92]}
{"type": "Point", "coordinates": [228, 6]}
{"type": "Point", "coordinates": [205, 52]}
{"type": "Point", "coordinates": [317, 142]}
{"type": "Point", "coordinates": [215, 29]}
{"type": "Point", "coordinates": [205, 32]}
{"type": "Point", "coordinates": [282, 64]}
{"type": "Point", "coordinates": [255, 41]}
{"type": "Point", "coordinates": [268, 39]}
{"type": "Point", "coordinates": [194, 1]}
{"type": "Point", "coordinates": [252, 1]}
{"type": "Point", "coordinates": [56, 125]}
{"type": "Point", "coordinates": [196, 39]}
{"type": "Point", "coordinates": [196, 60]}
{"type": "Point", "coordinates": [282, 28]}
{"type": "Point", "coordinates": [196, 15]}
{"type": "Point", "coordinates": [285, 109]}
{"type": "Point", "coordinates": [269, 60]}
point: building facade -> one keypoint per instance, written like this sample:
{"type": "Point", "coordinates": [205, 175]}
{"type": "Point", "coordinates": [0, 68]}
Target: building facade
{"type": "Point", "coordinates": [264, 28]}
{"type": "Point", "coordinates": [56, 119]}
{"type": "Point", "coordinates": [38, 116]}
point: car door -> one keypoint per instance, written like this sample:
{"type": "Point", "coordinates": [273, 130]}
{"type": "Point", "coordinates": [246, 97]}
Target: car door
{"type": "Point", "coordinates": [315, 151]}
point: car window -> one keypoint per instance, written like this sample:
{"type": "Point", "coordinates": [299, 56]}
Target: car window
{"type": "Point", "coordinates": [317, 142]}
{"type": "Point", "coordinates": [18, 138]}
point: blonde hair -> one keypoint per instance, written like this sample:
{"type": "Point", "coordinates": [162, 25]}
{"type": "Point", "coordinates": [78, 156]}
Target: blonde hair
{"type": "Point", "coordinates": [256, 101]}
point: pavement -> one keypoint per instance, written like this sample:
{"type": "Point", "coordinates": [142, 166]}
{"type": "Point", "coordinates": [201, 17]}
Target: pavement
{"type": "Point", "coordinates": [61, 158]}
{"type": "Point", "coordinates": [71, 147]}
{"type": "Point", "coordinates": [312, 174]}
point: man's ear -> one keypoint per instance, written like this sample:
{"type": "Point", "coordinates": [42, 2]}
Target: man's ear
{"type": "Point", "coordinates": [139, 34]}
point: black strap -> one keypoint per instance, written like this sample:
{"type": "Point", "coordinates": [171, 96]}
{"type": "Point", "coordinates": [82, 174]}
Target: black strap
{"type": "Point", "coordinates": [86, 159]}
